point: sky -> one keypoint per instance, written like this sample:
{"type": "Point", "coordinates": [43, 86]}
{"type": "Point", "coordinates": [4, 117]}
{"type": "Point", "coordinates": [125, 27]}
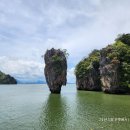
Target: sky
{"type": "Point", "coordinates": [29, 27]}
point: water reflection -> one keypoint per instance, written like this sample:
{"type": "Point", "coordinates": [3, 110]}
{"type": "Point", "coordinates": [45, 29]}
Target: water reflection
{"type": "Point", "coordinates": [82, 110]}
{"type": "Point", "coordinates": [95, 105]}
{"type": "Point", "coordinates": [89, 110]}
{"type": "Point", "coordinates": [54, 115]}
{"type": "Point", "coordinates": [31, 107]}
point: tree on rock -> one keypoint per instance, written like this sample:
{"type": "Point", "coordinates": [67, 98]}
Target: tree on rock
{"type": "Point", "coordinates": [115, 67]}
{"type": "Point", "coordinates": [7, 79]}
{"type": "Point", "coordinates": [125, 38]}
{"type": "Point", "coordinates": [55, 69]}
{"type": "Point", "coordinates": [87, 72]}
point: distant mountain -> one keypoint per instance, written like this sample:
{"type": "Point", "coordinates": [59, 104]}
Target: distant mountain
{"type": "Point", "coordinates": [31, 82]}
{"type": "Point", "coordinates": [34, 82]}
{"type": "Point", "coordinates": [7, 79]}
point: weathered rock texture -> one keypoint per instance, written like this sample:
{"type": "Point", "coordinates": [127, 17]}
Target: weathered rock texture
{"type": "Point", "coordinates": [109, 72]}
{"type": "Point", "coordinates": [111, 66]}
{"type": "Point", "coordinates": [87, 73]}
{"type": "Point", "coordinates": [90, 82]}
{"type": "Point", "coordinates": [55, 69]}
{"type": "Point", "coordinates": [7, 79]}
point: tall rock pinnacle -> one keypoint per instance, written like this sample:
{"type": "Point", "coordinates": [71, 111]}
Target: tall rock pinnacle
{"type": "Point", "coordinates": [55, 69]}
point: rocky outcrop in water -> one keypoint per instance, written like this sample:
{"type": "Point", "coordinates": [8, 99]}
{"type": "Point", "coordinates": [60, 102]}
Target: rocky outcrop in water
{"type": "Point", "coordinates": [7, 79]}
{"type": "Point", "coordinates": [90, 82]}
{"type": "Point", "coordinates": [55, 69]}
{"type": "Point", "coordinates": [111, 66]}
{"type": "Point", "coordinates": [109, 71]}
{"type": "Point", "coordinates": [115, 68]}
{"type": "Point", "coordinates": [87, 73]}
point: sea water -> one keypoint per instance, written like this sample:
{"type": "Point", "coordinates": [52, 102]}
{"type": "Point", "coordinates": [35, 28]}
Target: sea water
{"type": "Point", "coordinates": [32, 107]}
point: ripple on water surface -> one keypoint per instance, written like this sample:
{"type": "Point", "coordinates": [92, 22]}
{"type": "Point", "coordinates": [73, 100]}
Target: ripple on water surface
{"type": "Point", "coordinates": [32, 107]}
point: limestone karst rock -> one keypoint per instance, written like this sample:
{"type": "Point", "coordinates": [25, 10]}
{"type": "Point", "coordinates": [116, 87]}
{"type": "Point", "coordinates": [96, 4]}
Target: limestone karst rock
{"type": "Point", "coordinates": [109, 72]}
{"type": "Point", "coordinates": [7, 79]}
{"type": "Point", "coordinates": [110, 65]}
{"type": "Point", "coordinates": [87, 73]}
{"type": "Point", "coordinates": [112, 69]}
{"type": "Point", "coordinates": [55, 69]}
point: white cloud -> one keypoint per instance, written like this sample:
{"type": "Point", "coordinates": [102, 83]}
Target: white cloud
{"type": "Point", "coordinates": [70, 75]}
{"type": "Point", "coordinates": [27, 71]}
{"type": "Point", "coordinates": [22, 69]}
{"type": "Point", "coordinates": [29, 27]}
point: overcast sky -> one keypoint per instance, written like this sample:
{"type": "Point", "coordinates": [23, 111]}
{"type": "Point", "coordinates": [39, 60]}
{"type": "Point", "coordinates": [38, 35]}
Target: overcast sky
{"type": "Point", "coordinates": [29, 27]}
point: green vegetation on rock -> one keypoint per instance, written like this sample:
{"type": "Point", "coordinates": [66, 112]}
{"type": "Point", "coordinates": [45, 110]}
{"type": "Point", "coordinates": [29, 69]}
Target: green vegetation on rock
{"type": "Point", "coordinates": [6, 79]}
{"type": "Point", "coordinates": [87, 73]}
{"type": "Point", "coordinates": [125, 38]}
{"type": "Point", "coordinates": [55, 69]}
{"type": "Point", "coordinates": [119, 53]}
{"type": "Point", "coordinates": [57, 58]}
{"type": "Point", "coordinates": [113, 64]}
{"type": "Point", "coordinates": [86, 64]}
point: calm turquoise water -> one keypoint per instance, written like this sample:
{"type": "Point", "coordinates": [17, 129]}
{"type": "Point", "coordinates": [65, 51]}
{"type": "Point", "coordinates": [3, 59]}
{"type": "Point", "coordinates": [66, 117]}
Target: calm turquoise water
{"type": "Point", "coordinates": [32, 107]}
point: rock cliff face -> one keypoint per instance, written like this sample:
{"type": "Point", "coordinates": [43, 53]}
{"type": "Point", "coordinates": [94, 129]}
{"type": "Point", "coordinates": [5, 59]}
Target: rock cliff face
{"type": "Point", "coordinates": [7, 79]}
{"type": "Point", "coordinates": [87, 73]}
{"type": "Point", "coordinates": [109, 71]}
{"type": "Point", "coordinates": [55, 69]}
{"type": "Point", "coordinates": [112, 69]}
{"type": "Point", "coordinates": [90, 82]}
{"type": "Point", "coordinates": [110, 65]}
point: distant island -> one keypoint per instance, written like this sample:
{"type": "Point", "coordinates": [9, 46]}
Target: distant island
{"type": "Point", "coordinates": [7, 79]}
{"type": "Point", "coordinates": [107, 69]}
